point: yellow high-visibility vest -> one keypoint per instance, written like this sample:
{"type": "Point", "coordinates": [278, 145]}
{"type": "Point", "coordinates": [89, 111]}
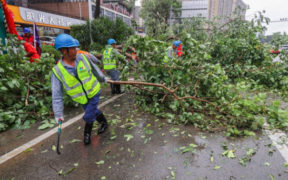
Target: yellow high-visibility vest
{"type": "Point", "coordinates": [108, 62]}
{"type": "Point", "coordinates": [80, 89]}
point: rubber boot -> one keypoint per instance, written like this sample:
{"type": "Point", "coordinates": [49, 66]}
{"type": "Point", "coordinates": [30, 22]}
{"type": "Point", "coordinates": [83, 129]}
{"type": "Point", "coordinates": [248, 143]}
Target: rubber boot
{"type": "Point", "coordinates": [104, 124]}
{"type": "Point", "coordinates": [87, 133]}
{"type": "Point", "coordinates": [118, 87]}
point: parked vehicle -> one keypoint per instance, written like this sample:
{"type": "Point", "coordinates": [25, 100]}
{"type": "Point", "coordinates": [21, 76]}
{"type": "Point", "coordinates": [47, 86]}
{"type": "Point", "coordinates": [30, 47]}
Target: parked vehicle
{"type": "Point", "coordinates": [47, 40]}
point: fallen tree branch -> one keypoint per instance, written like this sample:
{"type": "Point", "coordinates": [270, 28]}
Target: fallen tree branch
{"type": "Point", "coordinates": [172, 92]}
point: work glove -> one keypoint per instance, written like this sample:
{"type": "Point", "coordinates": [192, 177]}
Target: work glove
{"type": "Point", "coordinates": [59, 119]}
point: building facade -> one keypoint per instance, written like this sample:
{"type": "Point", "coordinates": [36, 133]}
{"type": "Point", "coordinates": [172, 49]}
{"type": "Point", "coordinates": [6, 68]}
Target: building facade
{"type": "Point", "coordinates": [211, 9]}
{"type": "Point", "coordinates": [78, 8]}
{"type": "Point", "coordinates": [194, 8]}
{"type": "Point", "coordinates": [226, 8]}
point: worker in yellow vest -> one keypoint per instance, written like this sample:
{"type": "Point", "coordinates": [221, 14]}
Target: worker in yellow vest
{"type": "Point", "coordinates": [109, 59]}
{"type": "Point", "coordinates": [80, 78]}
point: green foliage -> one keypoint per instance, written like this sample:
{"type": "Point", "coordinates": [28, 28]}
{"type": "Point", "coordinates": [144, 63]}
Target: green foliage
{"type": "Point", "coordinates": [102, 29]}
{"type": "Point", "coordinates": [81, 33]}
{"type": "Point", "coordinates": [215, 74]}
{"type": "Point", "coordinates": [52, 51]}
{"type": "Point", "coordinates": [24, 87]}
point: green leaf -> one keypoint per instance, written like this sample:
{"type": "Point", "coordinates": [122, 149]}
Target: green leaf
{"type": "Point", "coordinates": [113, 137]}
{"type": "Point", "coordinates": [44, 151]}
{"type": "Point", "coordinates": [191, 148]}
{"type": "Point", "coordinates": [242, 162]}
{"type": "Point", "coordinates": [28, 150]}
{"type": "Point", "coordinates": [285, 165]}
{"type": "Point", "coordinates": [229, 154]}
{"type": "Point", "coordinates": [149, 131]}
{"type": "Point", "coordinates": [74, 141]}
{"type": "Point", "coordinates": [54, 148]}
{"type": "Point", "coordinates": [217, 167]}
{"type": "Point", "coordinates": [172, 175]}
{"type": "Point", "coordinates": [45, 126]}
{"type": "Point", "coordinates": [100, 162]}
{"type": "Point", "coordinates": [128, 137]}
{"type": "Point", "coordinates": [271, 177]}
{"type": "Point", "coordinates": [103, 178]}
{"type": "Point", "coordinates": [211, 159]}
{"type": "Point", "coordinates": [60, 172]}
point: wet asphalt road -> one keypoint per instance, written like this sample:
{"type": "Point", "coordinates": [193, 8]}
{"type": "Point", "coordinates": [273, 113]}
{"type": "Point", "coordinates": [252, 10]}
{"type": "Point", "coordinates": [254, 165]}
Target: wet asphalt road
{"type": "Point", "coordinates": [140, 146]}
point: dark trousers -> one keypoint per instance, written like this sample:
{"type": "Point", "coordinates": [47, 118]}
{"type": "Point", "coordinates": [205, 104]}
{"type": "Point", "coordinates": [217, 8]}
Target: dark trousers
{"type": "Point", "coordinates": [91, 109]}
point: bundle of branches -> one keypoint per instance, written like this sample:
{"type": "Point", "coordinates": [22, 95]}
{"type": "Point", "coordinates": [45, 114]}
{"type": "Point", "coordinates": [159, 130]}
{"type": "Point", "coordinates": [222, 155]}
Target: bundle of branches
{"type": "Point", "coordinates": [24, 87]}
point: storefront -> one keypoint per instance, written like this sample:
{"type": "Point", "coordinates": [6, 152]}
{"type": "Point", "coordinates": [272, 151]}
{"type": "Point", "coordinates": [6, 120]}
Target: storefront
{"type": "Point", "coordinates": [48, 24]}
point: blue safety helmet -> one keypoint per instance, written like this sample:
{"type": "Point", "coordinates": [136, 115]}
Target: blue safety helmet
{"type": "Point", "coordinates": [77, 42]}
{"type": "Point", "coordinates": [111, 41]}
{"type": "Point", "coordinates": [65, 41]}
{"type": "Point", "coordinates": [177, 43]}
{"type": "Point", "coordinates": [26, 30]}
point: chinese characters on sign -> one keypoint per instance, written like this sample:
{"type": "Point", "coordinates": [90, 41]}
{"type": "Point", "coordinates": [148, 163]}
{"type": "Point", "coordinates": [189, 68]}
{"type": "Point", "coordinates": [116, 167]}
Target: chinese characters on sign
{"type": "Point", "coordinates": [284, 19]}
{"type": "Point", "coordinates": [47, 18]}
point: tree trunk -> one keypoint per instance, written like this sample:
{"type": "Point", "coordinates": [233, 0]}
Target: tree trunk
{"type": "Point", "coordinates": [97, 10]}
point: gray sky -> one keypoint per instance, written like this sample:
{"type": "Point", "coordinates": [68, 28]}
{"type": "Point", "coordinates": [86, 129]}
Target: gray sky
{"type": "Point", "coordinates": [275, 9]}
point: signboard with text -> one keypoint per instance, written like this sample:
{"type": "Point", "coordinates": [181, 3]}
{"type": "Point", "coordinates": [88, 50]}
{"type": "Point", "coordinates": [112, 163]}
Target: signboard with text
{"type": "Point", "coordinates": [47, 18]}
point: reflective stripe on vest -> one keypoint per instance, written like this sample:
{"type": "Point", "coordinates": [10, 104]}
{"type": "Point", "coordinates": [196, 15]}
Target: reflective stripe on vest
{"type": "Point", "coordinates": [108, 62]}
{"type": "Point", "coordinates": [83, 88]}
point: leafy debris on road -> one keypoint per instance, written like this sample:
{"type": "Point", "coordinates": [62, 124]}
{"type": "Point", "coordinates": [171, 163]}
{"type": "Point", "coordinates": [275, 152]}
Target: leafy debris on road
{"type": "Point", "coordinates": [247, 157]}
{"type": "Point", "coordinates": [229, 153]}
{"type": "Point", "coordinates": [271, 177]}
{"type": "Point", "coordinates": [100, 162]}
{"type": "Point", "coordinates": [44, 151]}
{"type": "Point", "coordinates": [74, 141]}
{"type": "Point", "coordinates": [61, 172]}
{"type": "Point", "coordinates": [28, 150]}
{"type": "Point", "coordinates": [217, 167]}
{"type": "Point", "coordinates": [190, 148]}
{"type": "Point", "coordinates": [128, 137]}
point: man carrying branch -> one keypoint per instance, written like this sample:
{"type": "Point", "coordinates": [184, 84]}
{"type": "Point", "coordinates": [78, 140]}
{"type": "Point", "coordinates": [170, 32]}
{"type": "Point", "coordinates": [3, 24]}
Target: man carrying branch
{"type": "Point", "coordinates": [109, 59]}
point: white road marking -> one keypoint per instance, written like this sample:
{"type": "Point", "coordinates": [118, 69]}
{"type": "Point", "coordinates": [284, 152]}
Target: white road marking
{"type": "Point", "coordinates": [46, 135]}
{"type": "Point", "coordinates": [279, 139]}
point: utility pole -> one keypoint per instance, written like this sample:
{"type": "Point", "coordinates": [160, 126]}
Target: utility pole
{"type": "Point", "coordinates": [90, 19]}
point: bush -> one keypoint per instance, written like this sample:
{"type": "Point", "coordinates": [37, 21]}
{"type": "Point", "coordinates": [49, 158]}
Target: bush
{"type": "Point", "coordinates": [25, 87]}
{"type": "Point", "coordinates": [52, 51]}
{"type": "Point", "coordinates": [102, 29]}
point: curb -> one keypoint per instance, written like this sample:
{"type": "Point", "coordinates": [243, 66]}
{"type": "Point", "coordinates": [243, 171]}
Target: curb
{"type": "Point", "coordinates": [46, 135]}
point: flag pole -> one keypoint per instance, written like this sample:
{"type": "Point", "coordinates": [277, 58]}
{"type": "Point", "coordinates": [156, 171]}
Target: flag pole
{"type": "Point", "coordinates": [34, 34]}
